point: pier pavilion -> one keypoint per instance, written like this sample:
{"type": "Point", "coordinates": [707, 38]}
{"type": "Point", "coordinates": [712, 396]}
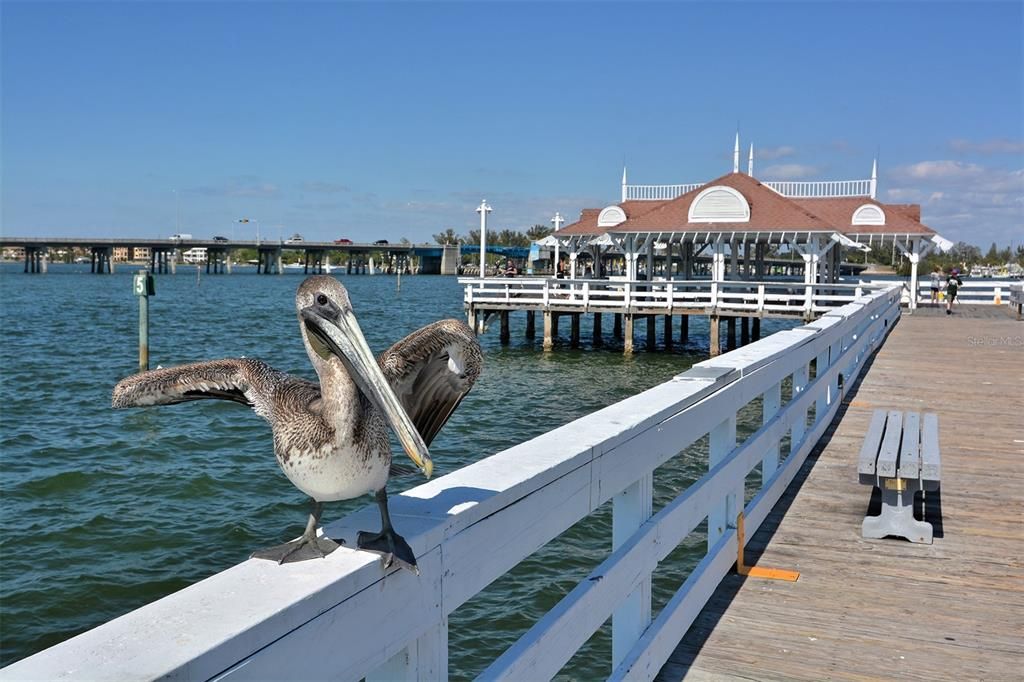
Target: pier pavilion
{"type": "Point", "coordinates": [643, 255]}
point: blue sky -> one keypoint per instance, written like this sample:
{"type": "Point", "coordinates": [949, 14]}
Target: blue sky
{"type": "Point", "coordinates": [391, 120]}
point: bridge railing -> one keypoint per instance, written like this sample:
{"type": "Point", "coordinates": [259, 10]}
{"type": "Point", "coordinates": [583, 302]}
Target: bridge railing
{"type": "Point", "coordinates": [668, 297]}
{"type": "Point", "coordinates": [345, 618]}
{"type": "Point", "coordinates": [973, 292]}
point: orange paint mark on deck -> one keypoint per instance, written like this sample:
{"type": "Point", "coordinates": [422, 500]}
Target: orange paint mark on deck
{"type": "Point", "coordinates": [756, 571]}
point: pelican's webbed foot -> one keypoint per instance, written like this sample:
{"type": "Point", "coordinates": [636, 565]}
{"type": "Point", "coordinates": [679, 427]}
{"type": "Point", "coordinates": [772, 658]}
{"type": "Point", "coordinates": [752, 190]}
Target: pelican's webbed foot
{"type": "Point", "coordinates": [309, 546]}
{"type": "Point", "coordinates": [391, 546]}
{"type": "Point", "coordinates": [387, 542]}
{"type": "Point", "coordinates": [298, 550]}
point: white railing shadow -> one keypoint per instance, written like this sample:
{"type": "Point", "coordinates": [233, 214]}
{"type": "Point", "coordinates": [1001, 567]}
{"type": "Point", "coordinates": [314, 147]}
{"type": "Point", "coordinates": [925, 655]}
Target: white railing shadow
{"type": "Point", "coordinates": [345, 618]}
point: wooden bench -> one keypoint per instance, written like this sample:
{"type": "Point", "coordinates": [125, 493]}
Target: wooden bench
{"type": "Point", "coordinates": [900, 457]}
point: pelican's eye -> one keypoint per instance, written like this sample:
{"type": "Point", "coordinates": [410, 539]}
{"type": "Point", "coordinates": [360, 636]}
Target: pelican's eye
{"type": "Point", "coordinates": [321, 299]}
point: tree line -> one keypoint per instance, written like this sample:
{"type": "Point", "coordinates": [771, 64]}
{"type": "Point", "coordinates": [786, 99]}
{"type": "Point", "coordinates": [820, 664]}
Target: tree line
{"type": "Point", "coordinates": [506, 237]}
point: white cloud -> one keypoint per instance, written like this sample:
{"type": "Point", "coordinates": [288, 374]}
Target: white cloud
{"type": "Point", "coordinates": [999, 145]}
{"type": "Point", "coordinates": [772, 153]}
{"type": "Point", "coordinates": [963, 201]}
{"type": "Point", "coordinates": [789, 171]}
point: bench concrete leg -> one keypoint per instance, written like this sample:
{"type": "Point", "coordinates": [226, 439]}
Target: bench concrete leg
{"type": "Point", "coordinates": [897, 518]}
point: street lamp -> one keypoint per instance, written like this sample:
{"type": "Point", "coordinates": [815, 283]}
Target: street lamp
{"type": "Point", "coordinates": [483, 209]}
{"type": "Point", "coordinates": [253, 220]}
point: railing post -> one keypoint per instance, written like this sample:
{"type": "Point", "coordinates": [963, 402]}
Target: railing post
{"type": "Point", "coordinates": [760, 297]}
{"type": "Point", "coordinates": [630, 509]}
{"type": "Point", "coordinates": [821, 365]}
{"type": "Point", "coordinates": [426, 658]}
{"type": "Point", "coordinates": [799, 425]}
{"type": "Point", "coordinates": [722, 441]}
{"type": "Point", "coordinates": [547, 293]}
{"type": "Point", "coordinates": [586, 296]}
{"type": "Point", "coordinates": [771, 400]}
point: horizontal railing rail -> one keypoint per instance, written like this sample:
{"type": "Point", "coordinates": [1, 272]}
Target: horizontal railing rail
{"type": "Point", "coordinates": [659, 296]}
{"type": "Point", "coordinates": [346, 618]}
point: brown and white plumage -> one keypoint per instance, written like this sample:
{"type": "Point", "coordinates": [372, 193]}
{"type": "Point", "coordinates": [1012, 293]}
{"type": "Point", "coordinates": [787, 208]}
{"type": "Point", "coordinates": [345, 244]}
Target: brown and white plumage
{"type": "Point", "coordinates": [331, 439]}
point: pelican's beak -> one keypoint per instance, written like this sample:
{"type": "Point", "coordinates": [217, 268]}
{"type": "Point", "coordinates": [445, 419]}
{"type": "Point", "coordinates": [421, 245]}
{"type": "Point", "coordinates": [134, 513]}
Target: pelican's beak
{"type": "Point", "coordinates": [334, 330]}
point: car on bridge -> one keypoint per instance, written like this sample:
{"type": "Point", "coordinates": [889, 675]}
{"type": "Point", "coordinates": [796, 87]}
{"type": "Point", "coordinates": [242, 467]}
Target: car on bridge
{"type": "Point", "coordinates": [343, 240]}
{"type": "Point", "coordinates": [219, 238]}
{"type": "Point", "coordinates": [381, 242]}
{"type": "Point", "coordinates": [294, 239]}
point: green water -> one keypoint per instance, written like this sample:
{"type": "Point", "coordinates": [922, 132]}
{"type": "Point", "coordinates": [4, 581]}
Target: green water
{"type": "Point", "coordinates": [104, 511]}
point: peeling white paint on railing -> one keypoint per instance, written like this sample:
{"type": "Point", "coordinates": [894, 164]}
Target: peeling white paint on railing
{"type": "Point", "coordinates": [343, 618]}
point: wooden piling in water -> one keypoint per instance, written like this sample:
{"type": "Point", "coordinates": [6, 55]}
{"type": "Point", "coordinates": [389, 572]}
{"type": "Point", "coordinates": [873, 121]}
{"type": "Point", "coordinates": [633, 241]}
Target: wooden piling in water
{"type": "Point", "coordinates": [598, 340]}
{"type": "Point", "coordinates": [730, 333]}
{"type": "Point", "coordinates": [627, 342]}
{"type": "Point", "coordinates": [668, 332]}
{"type": "Point", "coordinates": [652, 332]}
{"type": "Point", "coordinates": [531, 331]}
{"type": "Point", "coordinates": [713, 335]}
{"type": "Point", "coordinates": [617, 326]}
{"type": "Point", "coordinates": [756, 329]}
{"type": "Point", "coordinates": [574, 334]}
{"type": "Point", "coordinates": [504, 335]}
{"type": "Point", "coordinates": [684, 329]}
{"type": "Point", "coordinates": [744, 331]}
{"type": "Point", "coordinates": [549, 342]}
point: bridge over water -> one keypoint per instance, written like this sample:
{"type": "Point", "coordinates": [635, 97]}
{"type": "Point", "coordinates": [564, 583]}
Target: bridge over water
{"type": "Point", "coordinates": [432, 258]}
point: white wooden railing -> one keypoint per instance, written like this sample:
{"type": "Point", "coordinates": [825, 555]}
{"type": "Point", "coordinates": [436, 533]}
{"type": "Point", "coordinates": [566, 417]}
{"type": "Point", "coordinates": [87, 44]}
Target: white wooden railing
{"type": "Point", "coordinates": [658, 192]}
{"type": "Point", "coordinates": [827, 188]}
{"type": "Point", "coordinates": [344, 618]}
{"type": "Point", "coordinates": [793, 189]}
{"type": "Point", "coordinates": [973, 292]}
{"type": "Point", "coordinates": [660, 297]}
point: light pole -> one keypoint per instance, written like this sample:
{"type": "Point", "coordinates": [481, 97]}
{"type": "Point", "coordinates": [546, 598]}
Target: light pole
{"type": "Point", "coordinates": [253, 220]}
{"type": "Point", "coordinates": [483, 209]}
{"type": "Point", "coordinates": [557, 220]}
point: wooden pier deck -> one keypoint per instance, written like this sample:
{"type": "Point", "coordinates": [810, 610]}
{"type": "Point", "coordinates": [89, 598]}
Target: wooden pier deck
{"type": "Point", "coordinates": [889, 609]}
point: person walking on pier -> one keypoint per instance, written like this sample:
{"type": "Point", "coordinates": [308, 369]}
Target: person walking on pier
{"type": "Point", "coordinates": [936, 283]}
{"type": "Point", "coordinates": [953, 284]}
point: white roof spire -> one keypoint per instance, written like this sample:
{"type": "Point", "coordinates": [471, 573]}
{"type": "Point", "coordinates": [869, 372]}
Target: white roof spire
{"type": "Point", "coordinates": [874, 178]}
{"type": "Point", "coordinates": [736, 154]}
{"type": "Point", "coordinates": [623, 182]}
{"type": "Point", "coordinates": [750, 161]}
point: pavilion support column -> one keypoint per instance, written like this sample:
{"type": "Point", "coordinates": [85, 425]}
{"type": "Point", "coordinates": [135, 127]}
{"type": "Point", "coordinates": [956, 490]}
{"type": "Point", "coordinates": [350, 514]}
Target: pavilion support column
{"type": "Point", "coordinates": [713, 341]}
{"type": "Point", "coordinates": [627, 341]}
{"type": "Point", "coordinates": [531, 331]}
{"type": "Point", "coordinates": [748, 264]}
{"type": "Point", "coordinates": [574, 330]}
{"type": "Point", "coordinates": [730, 341]}
{"type": "Point", "coordinates": [668, 331]}
{"type": "Point", "coordinates": [755, 331]}
{"type": "Point", "coordinates": [549, 339]}
{"type": "Point", "coordinates": [617, 326]}
{"type": "Point", "coordinates": [684, 329]}
{"type": "Point", "coordinates": [652, 332]}
{"type": "Point", "coordinates": [598, 340]}
{"type": "Point", "coordinates": [734, 268]}
{"type": "Point", "coordinates": [504, 334]}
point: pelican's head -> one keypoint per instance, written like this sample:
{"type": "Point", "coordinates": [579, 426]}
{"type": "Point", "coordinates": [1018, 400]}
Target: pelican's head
{"type": "Point", "coordinates": [330, 331]}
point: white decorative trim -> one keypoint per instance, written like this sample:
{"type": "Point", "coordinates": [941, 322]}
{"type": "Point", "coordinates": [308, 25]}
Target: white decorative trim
{"type": "Point", "coordinates": [868, 214]}
{"type": "Point", "coordinates": [719, 204]}
{"type": "Point", "coordinates": [611, 216]}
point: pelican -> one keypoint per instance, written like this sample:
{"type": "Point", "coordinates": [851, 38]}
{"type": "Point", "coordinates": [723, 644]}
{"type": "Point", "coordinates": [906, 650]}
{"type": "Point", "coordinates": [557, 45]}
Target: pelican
{"type": "Point", "coordinates": [331, 439]}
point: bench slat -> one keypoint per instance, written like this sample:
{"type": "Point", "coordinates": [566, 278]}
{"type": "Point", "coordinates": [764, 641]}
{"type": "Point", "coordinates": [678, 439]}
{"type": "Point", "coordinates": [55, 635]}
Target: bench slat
{"type": "Point", "coordinates": [890, 450]}
{"type": "Point", "coordinates": [910, 450]}
{"type": "Point", "coordinates": [930, 469]}
{"type": "Point", "coordinates": [872, 441]}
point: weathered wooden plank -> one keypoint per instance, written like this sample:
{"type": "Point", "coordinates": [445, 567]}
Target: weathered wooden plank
{"type": "Point", "coordinates": [910, 449]}
{"type": "Point", "coordinates": [931, 467]}
{"type": "Point", "coordinates": [890, 448]}
{"type": "Point", "coordinates": [872, 443]}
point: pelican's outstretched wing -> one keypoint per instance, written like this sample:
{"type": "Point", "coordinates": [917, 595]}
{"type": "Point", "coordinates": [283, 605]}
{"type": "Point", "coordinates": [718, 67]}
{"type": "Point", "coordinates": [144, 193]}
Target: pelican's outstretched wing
{"type": "Point", "coordinates": [431, 371]}
{"type": "Point", "coordinates": [245, 380]}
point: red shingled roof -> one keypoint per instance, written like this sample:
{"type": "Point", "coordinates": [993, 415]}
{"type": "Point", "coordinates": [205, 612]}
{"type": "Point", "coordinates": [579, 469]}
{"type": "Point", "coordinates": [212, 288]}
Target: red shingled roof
{"type": "Point", "coordinates": [769, 212]}
{"type": "Point", "coordinates": [899, 218]}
